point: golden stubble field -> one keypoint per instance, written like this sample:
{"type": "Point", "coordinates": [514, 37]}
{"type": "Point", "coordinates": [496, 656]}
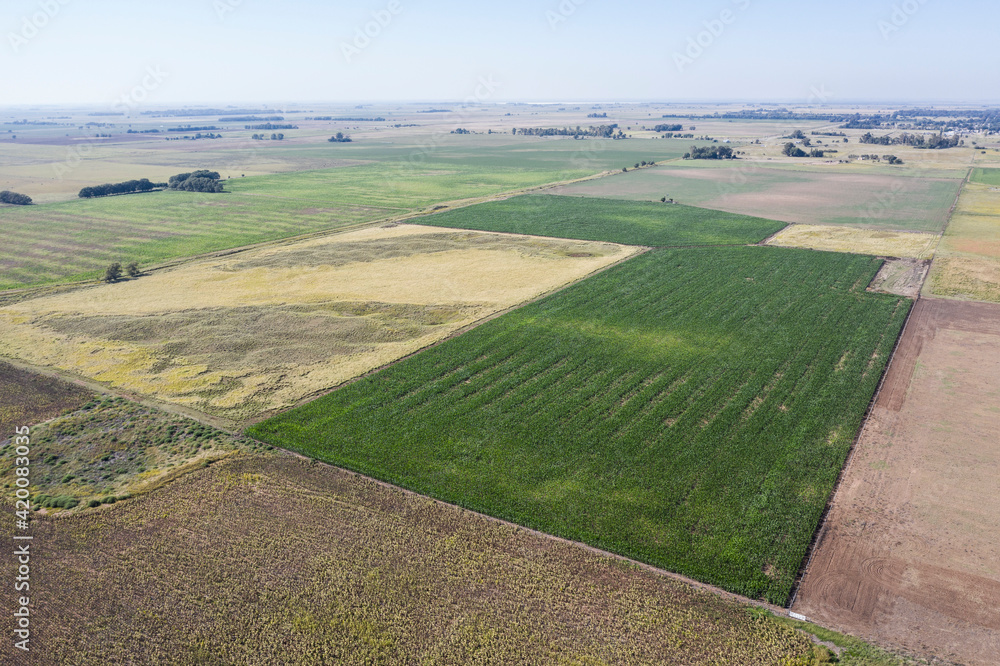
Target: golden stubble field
{"type": "Point", "coordinates": [881, 243]}
{"type": "Point", "coordinates": [967, 265]}
{"type": "Point", "coordinates": [253, 332]}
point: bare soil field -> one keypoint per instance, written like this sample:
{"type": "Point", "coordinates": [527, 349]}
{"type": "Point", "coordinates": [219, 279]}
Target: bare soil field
{"type": "Point", "coordinates": [909, 556]}
{"type": "Point", "coordinates": [273, 559]}
{"type": "Point", "coordinates": [27, 398]}
{"type": "Point", "coordinates": [256, 331]}
{"type": "Point", "coordinates": [904, 277]}
{"type": "Point", "coordinates": [881, 243]}
{"type": "Point", "coordinates": [849, 195]}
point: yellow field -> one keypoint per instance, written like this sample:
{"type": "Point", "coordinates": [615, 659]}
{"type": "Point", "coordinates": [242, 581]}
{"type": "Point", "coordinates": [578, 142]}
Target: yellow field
{"type": "Point", "coordinates": [246, 334]}
{"type": "Point", "coordinates": [914, 245]}
{"type": "Point", "coordinates": [968, 260]}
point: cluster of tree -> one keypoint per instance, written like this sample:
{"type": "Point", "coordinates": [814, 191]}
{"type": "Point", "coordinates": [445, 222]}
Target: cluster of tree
{"type": "Point", "coordinates": [250, 119]}
{"type": "Point", "coordinates": [274, 137]}
{"type": "Point", "coordinates": [601, 131]}
{"type": "Point", "coordinates": [188, 128]}
{"type": "Point", "coordinates": [196, 181]}
{"type": "Point", "coordinates": [407, 125]}
{"type": "Point", "coordinates": [32, 122]}
{"type": "Point", "coordinates": [149, 131]}
{"type": "Point", "coordinates": [435, 111]}
{"type": "Point", "coordinates": [340, 137]}
{"type": "Point", "coordinates": [14, 198]}
{"type": "Point", "coordinates": [126, 187]}
{"type": "Point", "coordinates": [113, 272]}
{"type": "Point", "coordinates": [461, 130]}
{"type": "Point", "coordinates": [103, 136]}
{"type": "Point", "coordinates": [669, 128]}
{"type": "Point", "coordinates": [710, 153]}
{"type": "Point", "coordinates": [935, 142]}
{"type": "Point", "coordinates": [269, 126]}
{"type": "Point", "coordinates": [891, 159]}
{"type": "Point", "coordinates": [671, 135]}
{"type": "Point", "coordinates": [814, 133]}
{"type": "Point", "coordinates": [791, 150]}
{"type": "Point", "coordinates": [597, 115]}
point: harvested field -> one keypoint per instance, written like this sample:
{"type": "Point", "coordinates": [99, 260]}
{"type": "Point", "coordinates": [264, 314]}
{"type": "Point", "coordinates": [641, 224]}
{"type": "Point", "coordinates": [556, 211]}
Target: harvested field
{"type": "Point", "coordinates": [910, 554]}
{"type": "Point", "coordinates": [881, 243]}
{"type": "Point", "coordinates": [27, 398]}
{"type": "Point", "coordinates": [967, 264]}
{"type": "Point", "coordinates": [859, 197]}
{"type": "Point", "coordinates": [904, 277]}
{"type": "Point", "coordinates": [691, 408]}
{"type": "Point", "coordinates": [259, 330]}
{"type": "Point", "coordinates": [267, 560]}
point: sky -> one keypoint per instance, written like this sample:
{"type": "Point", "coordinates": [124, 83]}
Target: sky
{"type": "Point", "coordinates": [108, 53]}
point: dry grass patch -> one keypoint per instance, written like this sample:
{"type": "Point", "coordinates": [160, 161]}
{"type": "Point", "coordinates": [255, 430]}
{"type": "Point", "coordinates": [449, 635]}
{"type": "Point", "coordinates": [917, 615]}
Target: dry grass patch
{"type": "Point", "coordinates": [258, 331]}
{"type": "Point", "coordinates": [914, 245]}
{"type": "Point", "coordinates": [968, 260]}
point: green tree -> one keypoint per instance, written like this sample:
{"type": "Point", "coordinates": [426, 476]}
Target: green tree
{"type": "Point", "coordinates": [113, 272]}
{"type": "Point", "coordinates": [132, 268]}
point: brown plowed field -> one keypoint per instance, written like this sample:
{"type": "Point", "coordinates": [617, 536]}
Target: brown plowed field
{"type": "Point", "coordinates": [910, 554]}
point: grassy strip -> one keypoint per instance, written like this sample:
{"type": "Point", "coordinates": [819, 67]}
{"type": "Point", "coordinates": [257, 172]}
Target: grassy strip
{"type": "Point", "coordinates": [689, 408]}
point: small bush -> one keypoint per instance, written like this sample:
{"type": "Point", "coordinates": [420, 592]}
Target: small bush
{"type": "Point", "coordinates": [132, 268]}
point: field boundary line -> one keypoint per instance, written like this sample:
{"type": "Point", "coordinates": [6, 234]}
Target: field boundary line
{"type": "Point", "coordinates": [638, 251]}
{"type": "Point", "coordinates": [823, 521]}
{"type": "Point", "coordinates": [717, 591]}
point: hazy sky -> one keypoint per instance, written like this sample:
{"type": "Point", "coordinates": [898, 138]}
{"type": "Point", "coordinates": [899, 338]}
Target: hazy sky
{"type": "Point", "coordinates": [256, 51]}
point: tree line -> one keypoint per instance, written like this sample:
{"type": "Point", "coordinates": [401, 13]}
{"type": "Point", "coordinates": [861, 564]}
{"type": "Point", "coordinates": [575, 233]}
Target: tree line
{"type": "Point", "coordinates": [125, 187]}
{"type": "Point", "coordinates": [601, 131]}
{"type": "Point", "coordinates": [935, 142]}
{"type": "Point", "coordinates": [269, 126]}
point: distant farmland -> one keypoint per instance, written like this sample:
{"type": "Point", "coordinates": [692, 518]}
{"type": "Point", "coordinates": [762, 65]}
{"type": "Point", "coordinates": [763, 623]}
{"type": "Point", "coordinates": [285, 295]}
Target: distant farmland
{"type": "Point", "coordinates": [628, 222]}
{"type": "Point", "coordinates": [690, 408]}
{"type": "Point", "coordinates": [854, 196]}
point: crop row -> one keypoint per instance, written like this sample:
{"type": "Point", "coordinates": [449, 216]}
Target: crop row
{"type": "Point", "coordinates": [691, 408]}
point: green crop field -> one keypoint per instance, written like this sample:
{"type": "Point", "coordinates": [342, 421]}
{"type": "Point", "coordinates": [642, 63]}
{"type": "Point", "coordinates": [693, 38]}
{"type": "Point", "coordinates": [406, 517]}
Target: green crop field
{"type": "Point", "coordinates": [629, 222]}
{"type": "Point", "coordinates": [77, 239]}
{"type": "Point", "coordinates": [986, 176]}
{"type": "Point", "coordinates": [691, 408]}
{"type": "Point", "coordinates": [399, 185]}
